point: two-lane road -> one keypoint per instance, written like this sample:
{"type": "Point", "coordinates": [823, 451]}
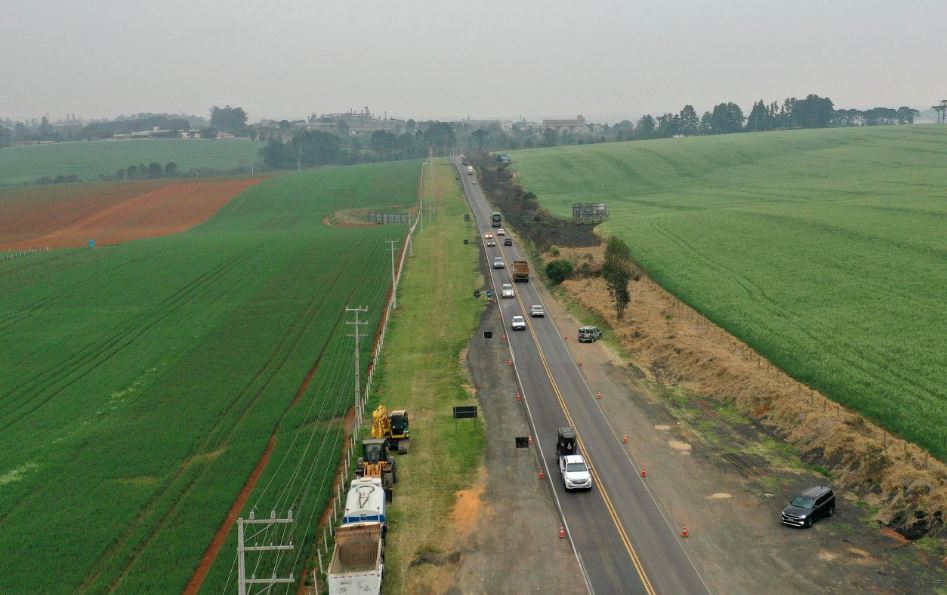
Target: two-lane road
{"type": "Point", "coordinates": [621, 534]}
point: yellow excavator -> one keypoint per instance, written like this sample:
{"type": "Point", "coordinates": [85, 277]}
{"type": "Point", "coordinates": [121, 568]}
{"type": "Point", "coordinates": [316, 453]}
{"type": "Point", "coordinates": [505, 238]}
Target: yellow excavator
{"type": "Point", "coordinates": [393, 427]}
{"type": "Point", "coordinates": [389, 431]}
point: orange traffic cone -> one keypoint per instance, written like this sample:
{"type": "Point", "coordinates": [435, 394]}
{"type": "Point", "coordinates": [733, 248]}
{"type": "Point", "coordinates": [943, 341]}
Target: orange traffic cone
{"type": "Point", "coordinates": [625, 439]}
{"type": "Point", "coordinates": [541, 474]}
{"type": "Point", "coordinates": [684, 532]}
{"type": "Point", "coordinates": [509, 362]}
{"type": "Point", "coordinates": [518, 397]}
{"type": "Point", "coordinates": [562, 532]}
{"type": "Point", "coordinates": [598, 395]}
{"type": "Point", "coordinates": [644, 471]}
{"type": "Point", "coordinates": [529, 440]}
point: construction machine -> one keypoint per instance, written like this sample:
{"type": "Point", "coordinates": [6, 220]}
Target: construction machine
{"type": "Point", "coordinates": [374, 462]}
{"type": "Point", "coordinates": [393, 427]}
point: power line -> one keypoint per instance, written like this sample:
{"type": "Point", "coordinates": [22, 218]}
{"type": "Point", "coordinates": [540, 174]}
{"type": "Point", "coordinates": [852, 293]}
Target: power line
{"type": "Point", "coordinates": [357, 334]}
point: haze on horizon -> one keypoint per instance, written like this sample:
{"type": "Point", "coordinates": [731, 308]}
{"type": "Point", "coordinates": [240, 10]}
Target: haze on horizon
{"type": "Point", "coordinates": [605, 59]}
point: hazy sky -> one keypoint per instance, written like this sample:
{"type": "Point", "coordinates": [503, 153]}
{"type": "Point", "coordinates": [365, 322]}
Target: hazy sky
{"type": "Point", "coordinates": [440, 58]}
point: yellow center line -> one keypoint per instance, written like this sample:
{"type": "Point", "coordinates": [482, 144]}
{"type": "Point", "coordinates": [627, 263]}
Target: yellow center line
{"type": "Point", "coordinates": [601, 486]}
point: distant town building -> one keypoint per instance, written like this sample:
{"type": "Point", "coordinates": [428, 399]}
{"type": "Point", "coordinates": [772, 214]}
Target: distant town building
{"type": "Point", "coordinates": [576, 126]}
{"type": "Point", "coordinates": [354, 123]}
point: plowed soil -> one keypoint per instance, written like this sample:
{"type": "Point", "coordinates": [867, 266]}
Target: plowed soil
{"type": "Point", "coordinates": [70, 216]}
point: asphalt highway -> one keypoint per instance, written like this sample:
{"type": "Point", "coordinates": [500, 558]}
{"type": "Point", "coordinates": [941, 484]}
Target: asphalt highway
{"type": "Point", "coordinates": [622, 537]}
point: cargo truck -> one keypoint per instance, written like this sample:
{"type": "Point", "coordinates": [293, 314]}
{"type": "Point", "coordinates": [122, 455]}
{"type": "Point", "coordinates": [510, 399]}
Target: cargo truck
{"type": "Point", "coordinates": [520, 270]}
{"type": "Point", "coordinates": [495, 219]}
{"type": "Point", "coordinates": [470, 170]}
{"type": "Point", "coordinates": [357, 560]}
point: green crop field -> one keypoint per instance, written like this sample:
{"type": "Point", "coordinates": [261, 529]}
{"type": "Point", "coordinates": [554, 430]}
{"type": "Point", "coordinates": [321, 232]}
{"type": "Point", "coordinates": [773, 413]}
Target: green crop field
{"type": "Point", "coordinates": [826, 250]}
{"type": "Point", "coordinates": [88, 160]}
{"type": "Point", "coordinates": [140, 384]}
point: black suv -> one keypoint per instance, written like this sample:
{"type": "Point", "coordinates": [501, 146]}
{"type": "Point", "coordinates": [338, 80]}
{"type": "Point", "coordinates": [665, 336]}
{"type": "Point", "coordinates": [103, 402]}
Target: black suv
{"type": "Point", "coordinates": [809, 506]}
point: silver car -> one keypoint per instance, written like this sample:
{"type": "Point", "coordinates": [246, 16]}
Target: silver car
{"type": "Point", "coordinates": [498, 262]}
{"type": "Point", "coordinates": [537, 311]}
{"type": "Point", "coordinates": [506, 290]}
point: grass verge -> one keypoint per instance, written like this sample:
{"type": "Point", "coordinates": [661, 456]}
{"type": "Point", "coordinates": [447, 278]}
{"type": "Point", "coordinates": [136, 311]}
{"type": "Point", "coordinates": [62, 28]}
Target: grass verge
{"type": "Point", "coordinates": [422, 371]}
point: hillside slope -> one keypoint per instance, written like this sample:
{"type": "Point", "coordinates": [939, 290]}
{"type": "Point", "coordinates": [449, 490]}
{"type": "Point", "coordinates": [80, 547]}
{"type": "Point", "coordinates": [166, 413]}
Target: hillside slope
{"type": "Point", "coordinates": [823, 249]}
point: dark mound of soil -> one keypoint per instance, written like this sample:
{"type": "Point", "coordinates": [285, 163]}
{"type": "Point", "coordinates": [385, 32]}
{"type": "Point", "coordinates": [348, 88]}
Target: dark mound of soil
{"type": "Point", "coordinates": [522, 211]}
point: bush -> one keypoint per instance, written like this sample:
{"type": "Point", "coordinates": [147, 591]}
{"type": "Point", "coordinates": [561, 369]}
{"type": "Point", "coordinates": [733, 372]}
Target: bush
{"type": "Point", "coordinates": [558, 271]}
{"type": "Point", "coordinates": [554, 250]}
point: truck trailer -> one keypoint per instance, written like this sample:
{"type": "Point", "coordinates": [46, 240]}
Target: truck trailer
{"type": "Point", "coordinates": [357, 560]}
{"type": "Point", "coordinates": [520, 270]}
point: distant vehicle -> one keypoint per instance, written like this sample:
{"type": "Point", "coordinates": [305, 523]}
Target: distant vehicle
{"type": "Point", "coordinates": [589, 334]}
{"type": "Point", "coordinates": [470, 170]}
{"type": "Point", "coordinates": [506, 290]}
{"type": "Point", "coordinates": [495, 219]}
{"type": "Point", "coordinates": [491, 243]}
{"type": "Point", "coordinates": [518, 323]}
{"type": "Point", "coordinates": [537, 311]}
{"type": "Point", "coordinates": [520, 270]}
{"type": "Point", "coordinates": [576, 474]}
{"type": "Point", "coordinates": [487, 236]}
{"type": "Point", "coordinates": [507, 241]}
{"type": "Point", "coordinates": [474, 182]}
{"type": "Point", "coordinates": [501, 232]}
{"type": "Point", "coordinates": [498, 262]}
{"type": "Point", "coordinates": [809, 506]}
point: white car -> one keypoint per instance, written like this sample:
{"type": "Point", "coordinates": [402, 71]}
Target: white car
{"type": "Point", "coordinates": [537, 311]}
{"type": "Point", "coordinates": [506, 290]}
{"type": "Point", "coordinates": [501, 231]}
{"type": "Point", "coordinates": [576, 475]}
{"type": "Point", "coordinates": [518, 323]}
{"type": "Point", "coordinates": [498, 262]}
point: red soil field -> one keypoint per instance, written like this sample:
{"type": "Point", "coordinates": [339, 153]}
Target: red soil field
{"type": "Point", "coordinates": [109, 213]}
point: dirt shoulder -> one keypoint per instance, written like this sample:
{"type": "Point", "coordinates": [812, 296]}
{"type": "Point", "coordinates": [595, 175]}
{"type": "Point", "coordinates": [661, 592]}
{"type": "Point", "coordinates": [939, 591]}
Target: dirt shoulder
{"type": "Point", "coordinates": [514, 545]}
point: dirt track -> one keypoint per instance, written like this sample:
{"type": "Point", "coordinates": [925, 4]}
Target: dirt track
{"type": "Point", "coordinates": [168, 209]}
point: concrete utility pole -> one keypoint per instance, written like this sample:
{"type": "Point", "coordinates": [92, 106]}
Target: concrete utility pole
{"type": "Point", "coordinates": [394, 285]}
{"type": "Point", "coordinates": [358, 334]}
{"type": "Point", "coordinates": [243, 548]}
{"type": "Point", "coordinates": [421, 205]}
{"type": "Point", "coordinates": [431, 202]}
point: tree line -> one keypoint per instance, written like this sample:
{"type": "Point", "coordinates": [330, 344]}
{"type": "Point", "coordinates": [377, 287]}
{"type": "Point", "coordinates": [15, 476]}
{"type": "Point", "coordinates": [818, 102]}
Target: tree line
{"type": "Point", "coordinates": [308, 148]}
{"type": "Point", "coordinates": [727, 117]}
